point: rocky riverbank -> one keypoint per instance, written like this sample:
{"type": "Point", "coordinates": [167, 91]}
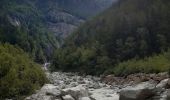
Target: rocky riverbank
{"type": "Point", "coordinates": [71, 86]}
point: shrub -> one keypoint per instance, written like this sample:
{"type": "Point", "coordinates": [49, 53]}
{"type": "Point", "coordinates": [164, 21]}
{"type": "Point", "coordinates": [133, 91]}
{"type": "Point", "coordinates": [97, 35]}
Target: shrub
{"type": "Point", "coordinates": [19, 75]}
{"type": "Point", "coordinates": [154, 64]}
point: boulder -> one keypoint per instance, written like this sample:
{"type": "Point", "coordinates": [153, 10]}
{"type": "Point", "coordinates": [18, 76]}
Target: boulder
{"type": "Point", "coordinates": [76, 92]}
{"type": "Point", "coordinates": [67, 97]}
{"type": "Point", "coordinates": [103, 94]}
{"type": "Point", "coordinates": [47, 92]}
{"type": "Point", "coordinates": [139, 92]}
{"type": "Point", "coordinates": [163, 84]}
{"type": "Point", "coordinates": [50, 89]}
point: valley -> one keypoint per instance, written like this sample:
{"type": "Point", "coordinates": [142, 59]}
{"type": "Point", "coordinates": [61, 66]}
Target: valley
{"type": "Point", "coordinates": [84, 49]}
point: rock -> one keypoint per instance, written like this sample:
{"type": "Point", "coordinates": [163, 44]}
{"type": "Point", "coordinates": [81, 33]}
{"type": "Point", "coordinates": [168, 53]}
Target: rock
{"type": "Point", "coordinates": [139, 92]}
{"type": "Point", "coordinates": [76, 92]}
{"type": "Point", "coordinates": [160, 76]}
{"type": "Point", "coordinates": [168, 84]}
{"type": "Point", "coordinates": [163, 84]}
{"type": "Point", "coordinates": [54, 92]}
{"type": "Point", "coordinates": [168, 95]}
{"type": "Point", "coordinates": [73, 84]}
{"type": "Point", "coordinates": [67, 97]}
{"type": "Point", "coordinates": [50, 89]}
{"type": "Point", "coordinates": [39, 97]}
{"type": "Point", "coordinates": [47, 92]}
{"type": "Point", "coordinates": [104, 94]}
{"type": "Point", "coordinates": [85, 98]}
{"type": "Point", "coordinates": [109, 79]}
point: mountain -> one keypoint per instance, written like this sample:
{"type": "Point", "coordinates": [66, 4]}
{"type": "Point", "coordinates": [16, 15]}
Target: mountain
{"type": "Point", "coordinates": [130, 29]}
{"type": "Point", "coordinates": [27, 38]}
{"type": "Point", "coordinates": [38, 26]}
{"type": "Point", "coordinates": [64, 16]}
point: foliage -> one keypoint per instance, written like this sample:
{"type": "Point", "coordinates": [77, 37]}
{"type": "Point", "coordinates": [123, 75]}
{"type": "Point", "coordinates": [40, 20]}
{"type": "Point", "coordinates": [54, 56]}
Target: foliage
{"type": "Point", "coordinates": [154, 64]}
{"type": "Point", "coordinates": [19, 75]}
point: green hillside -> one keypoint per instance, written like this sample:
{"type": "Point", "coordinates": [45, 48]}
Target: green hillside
{"type": "Point", "coordinates": [129, 29]}
{"type": "Point", "coordinates": [22, 24]}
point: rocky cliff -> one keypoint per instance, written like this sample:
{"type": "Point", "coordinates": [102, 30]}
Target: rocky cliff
{"type": "Point", "coordinates": [62, 17]}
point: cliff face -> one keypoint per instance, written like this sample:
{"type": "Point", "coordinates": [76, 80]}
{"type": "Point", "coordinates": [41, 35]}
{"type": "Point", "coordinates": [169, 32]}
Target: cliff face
{"type": "Point", "coordinates": [62, 23]}
{"type": "Point", "coordinates": [64, 16]}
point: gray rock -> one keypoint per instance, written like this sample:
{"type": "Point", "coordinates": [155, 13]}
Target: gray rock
{"type": "Point", "coordinates": [139, 92]}
{"type": "Point", "coordinates": [47, 92]}
{"type": "Point", "coordinates": [168, 95]}
{"type": "Point", "coordinates": [85, 98]}
{"type": "Point", "coordinates": [67, 97]}
{"type": "Point", "coordinates": [163, 83]}
{"type": "Point", "coordinates": [76, 92]}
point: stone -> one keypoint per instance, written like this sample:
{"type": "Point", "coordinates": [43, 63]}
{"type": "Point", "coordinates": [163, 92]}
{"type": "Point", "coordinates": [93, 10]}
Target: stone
{"type": "Point", "coordinates": [163, 83]}
{"type": "Point", "coordinates": [47, 92]}
{"type": "Point", "coordinates": [85, 98]}
{"type": "Point", "coordinates": [67, 97]}
{"type": "Point", "coordinates": [73, 84]}
{"type": "Point", "coordinates": [168, 95]}
{"type": "Point", "coordinates": [168, 84]}
{"type": "Point", "coordinates": [53, 92]}
{"type": "Point", "coordinates": [109, 79]}
{"type": "Point", "coordinates": [139, 92]}
{"type": "Point", "coordinates": [104, 94]}
{"type": "Point", "coordinates": [39, 97]}
{"type": "Point", "coordinates": [76, 92]}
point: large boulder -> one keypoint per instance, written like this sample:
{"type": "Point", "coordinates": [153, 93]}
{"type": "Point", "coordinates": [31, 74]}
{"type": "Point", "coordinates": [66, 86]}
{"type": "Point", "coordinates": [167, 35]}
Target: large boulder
{"type": "Point", "coordinates": [76, 92]}
{"type": "Point", "coordinates": [139, 92]}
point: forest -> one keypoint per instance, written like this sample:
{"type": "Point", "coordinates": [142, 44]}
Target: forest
{"type": "Point", "coordinates": [125, 35]}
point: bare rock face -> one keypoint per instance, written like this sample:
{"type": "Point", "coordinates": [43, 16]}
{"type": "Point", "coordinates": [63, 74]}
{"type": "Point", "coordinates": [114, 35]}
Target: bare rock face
{"type": "Point", "coordinates": [64, 16]}
{"type": "Point", "coordinates": [62, 23]}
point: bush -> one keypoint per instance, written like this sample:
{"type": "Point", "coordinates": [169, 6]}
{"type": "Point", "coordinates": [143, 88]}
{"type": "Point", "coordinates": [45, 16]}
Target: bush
{"type": "Point", "coordinates": [19, 75]}
{"type": "Point", "coordinates": [154, 64]}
